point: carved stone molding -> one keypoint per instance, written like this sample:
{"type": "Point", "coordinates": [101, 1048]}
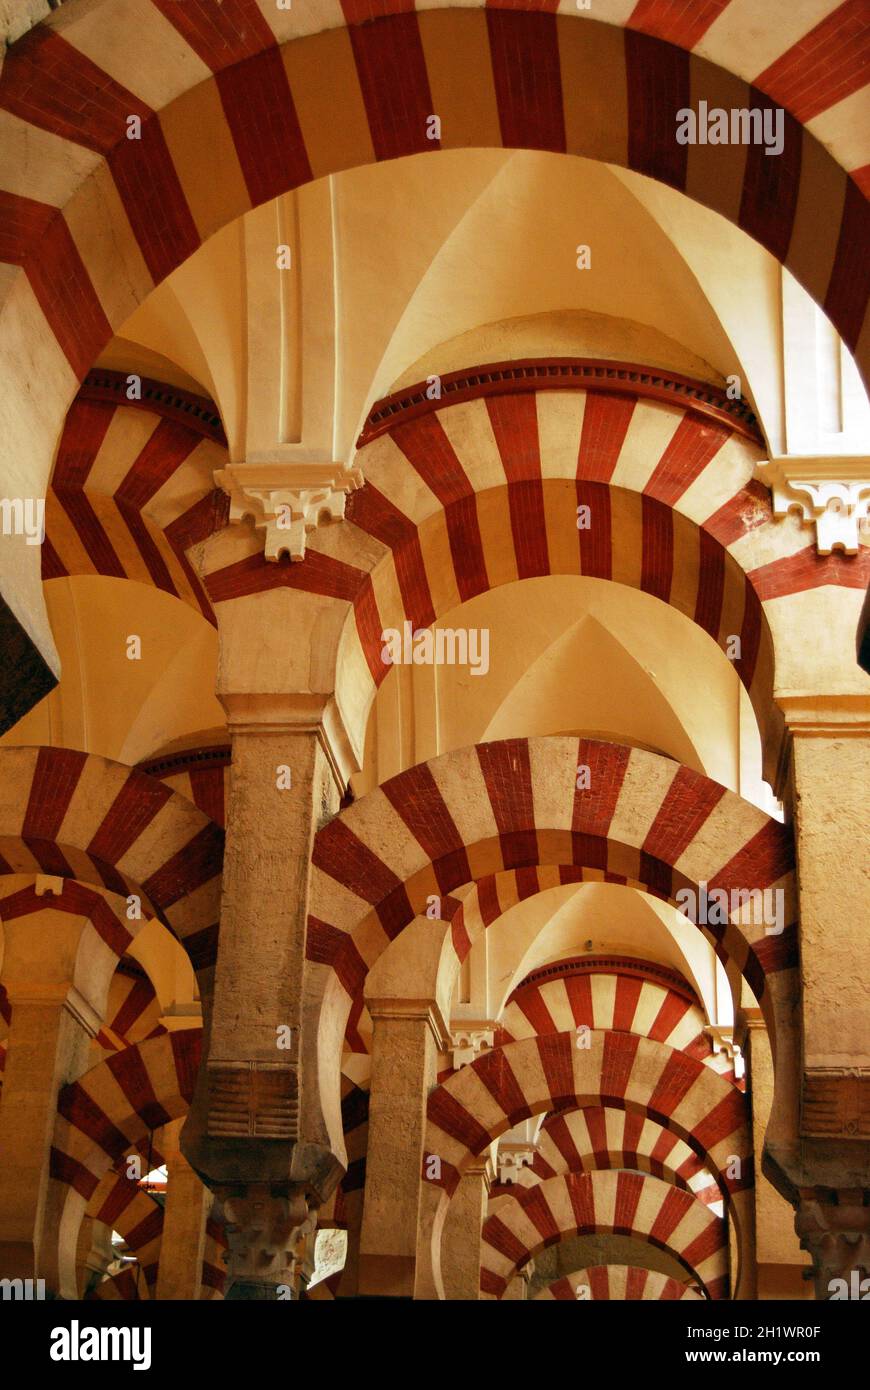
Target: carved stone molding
{"type": "Point", "coordinates": [256, 1100]}
{"type": "Point", "coordinates": [835, 1103]}
{"type": "Point", "coordinates": [834, 493]}
{"type": "Point", "coordinates": [836, 1234]}
{"type": "Point", "coordinates": [558, 374]}
{"type": "Point", "coordinates": [287, 499]}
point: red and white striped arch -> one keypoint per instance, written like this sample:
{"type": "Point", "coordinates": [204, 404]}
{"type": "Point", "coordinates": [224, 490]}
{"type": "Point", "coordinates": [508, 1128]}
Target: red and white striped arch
{"type": "Point", "coordinates": [133, 487]}
{"type": "Point", "coordinates": [133, 1013]}
{"type": "Point", "coordinates": [602, 995]}
{"type": "Point", "coordinates": [481, 488]}
{"type": "Point", "coordinates": [478, 905]}
{"type": "Point", "coordinates": [95, 219]}
{"type": "Point", "coordinates": [464, 497]}
{"type": "Point", "coordinates": [119, 1102]}
{"type": "Point", "coordinates": [485, 1099]}
{"type": "Point", "coordinates": [601, 1137]}
{"type": "Point", "coordinates": [496, 1091]}
{"type": "Point", "coordinates": [106, 918]}
{"type": "Point", "coordinates": [620, 1283]}
{"type": "Point", "coordinates": [110, 1111]}
{"type": "Point", "coordinates": [199, 774]}
{"type": "Point", "coordinates": [514, 803]}
{"type": "Point", "coordinates": [616, 1203]}
{"type": "Point", "coordinates": [80, 816]}
{"type": "Point", "coordinates": [506, 805]}
{"type": "Point", "coordinates": [91, 221]}
{"type": "Point", "coordinates": [135, 1214]}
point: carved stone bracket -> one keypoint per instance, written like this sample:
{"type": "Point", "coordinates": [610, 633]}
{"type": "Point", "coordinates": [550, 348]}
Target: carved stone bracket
{"type": "Point", "coordinates": [722, 1040]}
{"type": "Point", "coordinates": [287, 499]}
{"type": "Point", "coordinates": [837, 1236]}
{"type": "Point", "coordinates": [469, 1040]}
{"type": "Point", "coordinates": [832, 492]}
{"type": "Point", "coordinates": [511, 1160]}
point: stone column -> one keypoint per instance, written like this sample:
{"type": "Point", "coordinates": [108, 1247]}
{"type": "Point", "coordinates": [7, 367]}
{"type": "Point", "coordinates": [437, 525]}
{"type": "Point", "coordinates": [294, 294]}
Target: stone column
{"type": "Point", "coordinates": [408, 1034]}
{"type": "Point", "coordinates": [830, 764]}
{"type": "Point", "coordinates": [188, 1203]}
{"type": "Point", "coordinates": [243, 1134]}
{"type": "Point", "coordinates": [463, 1226]}
{"type": "Point", "coordinates": [56, 970]}
{"type": "Point", "coordinates": [827, 1174]}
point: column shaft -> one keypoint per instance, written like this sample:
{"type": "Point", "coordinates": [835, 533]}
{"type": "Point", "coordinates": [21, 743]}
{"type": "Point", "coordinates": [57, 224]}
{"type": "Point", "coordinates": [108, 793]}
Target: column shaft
{"type": "Point", "coordinates": [187, 1206]}
{"type": "Point", "coordinates": [47, 1046]}
{"type": "Point", "coordinates": [460, 1239]}
{"type": "Point", "coordinates": [403, 1072]}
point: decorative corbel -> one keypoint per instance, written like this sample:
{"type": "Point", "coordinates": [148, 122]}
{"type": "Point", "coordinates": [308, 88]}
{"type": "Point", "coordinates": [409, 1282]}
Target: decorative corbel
{"type": "Point", "coordinates": [834, 493]}
{"type": "Point", "coordinates": [287, 498]}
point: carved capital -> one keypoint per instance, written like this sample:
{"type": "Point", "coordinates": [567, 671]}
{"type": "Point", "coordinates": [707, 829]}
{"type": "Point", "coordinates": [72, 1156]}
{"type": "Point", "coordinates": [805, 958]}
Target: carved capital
{"type": "Point", "coordinates": [267, 1234]}
{"type": "Point", "coordinates": [836, 1234]}
{"type": "Point", "coordinates": [833, 493]}
{"type": "Point", "coordinates": [287, 499]}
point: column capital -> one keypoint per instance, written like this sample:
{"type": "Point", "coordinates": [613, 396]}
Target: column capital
{"type": "Point", "coordinates": [419, 1010]}
{"type": "Point", "coordinates": [831, 492]}
{"type": "Point", "coordinates": [58, 995]}
{"type": "Point", "coordinates": [834, 1227]}
{"type": "Point", "coordinates": [294, 712]}
{"type": "Point", "coordinates": [287, 497]}
{"type": "Point", "coordinates": [264, 1229]}
{"type": "Point", "coordinates": [826, 716]}
{"type": "Point", "coordinates": [481, 1166]}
